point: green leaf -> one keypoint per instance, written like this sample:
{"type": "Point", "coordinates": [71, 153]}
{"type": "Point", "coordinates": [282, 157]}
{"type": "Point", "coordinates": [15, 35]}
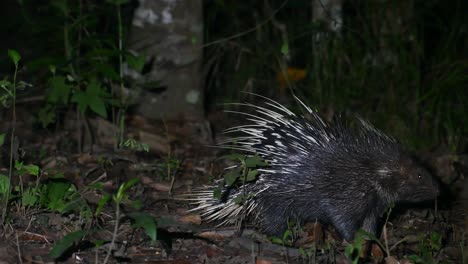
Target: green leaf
{"type": "Point", "coordinates": [4, 184]}
{"type": "Point", "coordinates": [232, 175]}
{"type": "Point", "coordinates": [14, 56]}
{"type": "Point", "coordinates": [46, 115]}
{"type": "Point", "coordinates": [252, 175]}
{"type": "Point", "coordinates": [98, 106]}
{"type": "Point", "coordinates": [59, 90]}
{"type": "Point", "coordinates": [94, 100]}
{"type": "Point", "coordinates": [239, 199]}
{"type": "Point", "coordinates": [57, 176]}
{"type": "Point", "coordinates": [81, 100]}
{"type": "Point", "coordinates": [123, 188]}
{"type": "Point", "coordinates": [276, 240]}
{"type": "Point", "coordinates": [56, 194]}
{"type": "Point", "coordinates": [93, 88]}
{"type": "Point", "coordinates": [23, 169]}
{"type": "Point", "coordinates": [135, 62]}
{"type": "Point", "coordinates": [254, 161]}
{"type": "Point", "coordinates": [67, 242]}
{"type": "Point", "coordinates": [103, 201]}
{"type": "Point", "coordinates": [2, 138]}
{"type": "Point", "coordinates": [217, 192]}
{"type": "Point", "coordinates": [285, 49]}
{"type": "Point", "coordinates": [286, 235]}
{"type": "Point", "coordinates": [29, 198]}
{"type": "Point", "coordinates": [147, 222]}
{"type": "Point", "coordinates": [108, 71]}
{"type": "Point", "coordinates": [234, 156]}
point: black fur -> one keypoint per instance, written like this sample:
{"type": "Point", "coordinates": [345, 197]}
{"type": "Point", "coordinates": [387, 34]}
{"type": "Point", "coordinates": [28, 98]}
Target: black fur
{"type": "Point", "coordinates": [342, 176]}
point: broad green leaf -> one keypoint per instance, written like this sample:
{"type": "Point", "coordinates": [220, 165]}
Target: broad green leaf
{"type": "Point", "coordinates": [59, 90]}
{"type": "Point", "coordinates": [46, 115]}
{"type": "Point", "coordinates": [14, 56]}
{"type": "Point", "coordinates": [67, 242]}
{"type": "Point", "coordinates": [56, 192]}
{"type": "Point", "coordinates": [252, 175]}
{"type": "Point", "coordinates": [254, 161]}
{"type": "Point", "coordinates": [57, 205]}
{"type": "Point", "coordinates": [93, 88]}
{"type": "Point", "coordinates": [98, 106]}
{"type": "Point", "coordinates": [240, 198]}
{"type": "Point", "coordinates": [234, 156]}
{"type": "Point", "coordinates": [81, 100]}
{"type": "Point", "coordinates": [30, 168]}
{"type": "Point", "coordinates": [135, 62]}
{"type": "Point", "coordinates": [4, 184]}
{"type": "Point", "coordinates": [29, 198]}
{"type": "Point", "coordinates": [145, 221]}
{"type": "Point", "coordinates": [108, 71]}
{"type": "Point", "coordinates": [232, 175]}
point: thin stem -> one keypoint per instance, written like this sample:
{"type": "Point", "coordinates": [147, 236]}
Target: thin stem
{"type": "Point", "coordinates": [114, 234]}
{"type": "Point", "coordinates": [12, 137]}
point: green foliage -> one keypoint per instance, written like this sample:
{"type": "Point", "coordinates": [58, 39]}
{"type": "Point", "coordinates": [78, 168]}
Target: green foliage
{"type": "Point", "coordinates": [91, 98]}
{"type": "Point", "coordinates": [285, 240]}
{"type": "Point", "coordinates": [56, 194]}
{"type": "Point", "coordinates": [59, 191]}
{"type": "Point", "coordinates": [89, 78]}
{"type": "Point", "coordinates": [289, 236]}
{"type": "Point", "coordinates": [23, 169]}
{"type": "Point", "coordinates": [246, 171]}
{"type": "Point", "coordinates": [14, 56]}
{"type": "Point", "coordinates": [145, 221]}
{"type": "Point", "coordinates": [409, 78]}
{"type": "Point", "coordinates": [429, 248]}
{"type": "Point", "coordinates": [353, 251]}
{"type": "Point", "coordinates": [140, 219]}
{"type": "Point", "coordinates": [68, 241]}
{"type": "Point", "coordinates": [134, 145]}
{"type": "Point", "coordinates": [4, 185]}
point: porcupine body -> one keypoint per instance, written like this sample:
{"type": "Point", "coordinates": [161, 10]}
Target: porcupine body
{"type": "Point", "coordinates": [318, 171]}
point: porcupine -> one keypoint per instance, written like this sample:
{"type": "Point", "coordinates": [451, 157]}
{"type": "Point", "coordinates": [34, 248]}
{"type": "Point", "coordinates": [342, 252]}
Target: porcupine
{"type": "Point", "coordinates": [318, 171]}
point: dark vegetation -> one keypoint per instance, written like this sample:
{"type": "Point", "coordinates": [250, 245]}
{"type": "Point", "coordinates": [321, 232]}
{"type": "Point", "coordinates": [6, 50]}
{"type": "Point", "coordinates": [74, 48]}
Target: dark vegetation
{"type": "Point", "coordinates": [79, 178]}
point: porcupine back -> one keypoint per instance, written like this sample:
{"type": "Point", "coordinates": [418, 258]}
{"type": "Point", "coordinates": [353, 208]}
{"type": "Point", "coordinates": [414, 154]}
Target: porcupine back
{"type": "Point", "coordinates": [338, 175]}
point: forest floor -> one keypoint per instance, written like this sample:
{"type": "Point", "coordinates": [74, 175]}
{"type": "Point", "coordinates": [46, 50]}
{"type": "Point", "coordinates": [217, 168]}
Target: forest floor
{"type": "Point", "coordinates": [81, 219]}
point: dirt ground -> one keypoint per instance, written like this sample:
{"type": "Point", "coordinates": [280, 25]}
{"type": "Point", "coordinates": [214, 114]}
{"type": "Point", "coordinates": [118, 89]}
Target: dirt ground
{"type": "Point", "coordinates": [179, 160]}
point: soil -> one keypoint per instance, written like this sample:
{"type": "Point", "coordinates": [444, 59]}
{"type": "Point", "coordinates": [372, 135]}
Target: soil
{"type": "Point", "coordinates": [84, 153]}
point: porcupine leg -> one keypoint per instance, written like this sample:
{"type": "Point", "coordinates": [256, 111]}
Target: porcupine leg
{"type": "Point", "coordinates": [370, 224]}
{"type": "Point", "coordinates": [273, 218]}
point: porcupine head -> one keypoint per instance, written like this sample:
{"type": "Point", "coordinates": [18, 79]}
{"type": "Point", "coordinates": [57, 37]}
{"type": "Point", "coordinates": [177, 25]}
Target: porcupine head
{"type": "Point", "coordinates": [317, 171]}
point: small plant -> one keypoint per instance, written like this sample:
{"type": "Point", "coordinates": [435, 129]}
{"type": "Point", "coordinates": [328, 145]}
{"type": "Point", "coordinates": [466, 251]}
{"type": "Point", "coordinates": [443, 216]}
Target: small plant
{"type": "Point", "coordinates": [309, 253]}
{"type": "Point", "coordinates": [138, 219]}
{"type": "Point", "coordinates": [289, 236]}
{"type": "Point", "coordinates": [134, 145]}
{"type": "Point", "coordinates": [8, 98]}
{"type": "Point", "coordinates": [143, 220]}
{"type": "Point", "coordinates": [353, 251]}
{"type": "Point", "coordinates": [243, 173]}
{"type": "Point", "coordinates": [429, 249]}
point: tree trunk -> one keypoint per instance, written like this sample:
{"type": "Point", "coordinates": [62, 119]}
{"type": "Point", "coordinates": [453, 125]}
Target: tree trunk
{"type": "Point", "coordinates": [169, 34]}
